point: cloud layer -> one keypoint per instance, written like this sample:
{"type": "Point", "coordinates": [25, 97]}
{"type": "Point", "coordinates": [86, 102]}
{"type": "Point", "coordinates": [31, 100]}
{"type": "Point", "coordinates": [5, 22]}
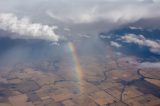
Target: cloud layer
{"type": "Point", "coordinates": [26, 29]}
{"type": "Point", "coordinates": [83, 16]}
{"type": "Point", "coordinates": [112, 11]}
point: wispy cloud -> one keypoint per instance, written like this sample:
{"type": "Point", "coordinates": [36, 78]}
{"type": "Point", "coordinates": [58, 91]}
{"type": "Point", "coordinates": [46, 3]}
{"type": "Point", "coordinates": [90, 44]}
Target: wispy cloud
{"type": "Point", "coordinates": [150, 65]}
{"type": "Point", "coordinates": [115, 44]}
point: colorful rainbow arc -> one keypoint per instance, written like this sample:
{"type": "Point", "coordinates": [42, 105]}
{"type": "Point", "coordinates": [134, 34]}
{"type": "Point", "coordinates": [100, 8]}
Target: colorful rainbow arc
{"type": "Point", "coordinates": [77, 65]}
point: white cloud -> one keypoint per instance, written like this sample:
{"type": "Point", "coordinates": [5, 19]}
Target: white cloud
{"type": "Point", "coordinates": [26, 29]}
{"type": "Point", "coordinates": [115, 44]}
{"type": "Point", "coordinates": [132, 38]}
{"type": "Point", "coordinates": [154, 45]}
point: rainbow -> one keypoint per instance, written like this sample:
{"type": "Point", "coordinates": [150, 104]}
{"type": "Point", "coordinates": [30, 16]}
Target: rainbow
{"type": "Point", "coordinates": [77, 65]}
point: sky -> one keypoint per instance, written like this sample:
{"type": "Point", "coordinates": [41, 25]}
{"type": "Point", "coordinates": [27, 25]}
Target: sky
{"type": "Point", "coordinates": [52, 19]}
